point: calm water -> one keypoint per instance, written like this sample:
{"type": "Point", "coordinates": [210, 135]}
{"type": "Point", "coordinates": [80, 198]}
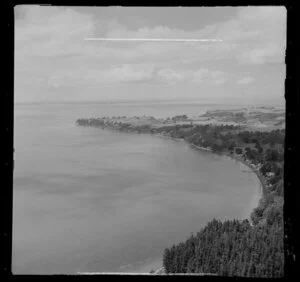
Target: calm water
{"type": "Point", "coordinates": [88, 199]}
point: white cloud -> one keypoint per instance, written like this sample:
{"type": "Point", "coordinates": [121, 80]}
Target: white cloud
{"type": "Point", "coordinates": [221, 80]}
{"type": "Point", "coordinates": [211, 76]}
{"type": "Point", "coordinates": [170, 75]}
{"type": "Point", "coordinates": [260, 55]}
{"type": "Point", "coordinates": [127, 73]}
{"type": "Point", "coordinates": [245, 80]}
{"type": "Point", "coordinates": [115, 74]}
{"type": "Point", "coordinates": [50, 47]}
{"type": "Point", "coordinates": [256, 35]}
{"type": "Point", "coordinates": [160, 32]}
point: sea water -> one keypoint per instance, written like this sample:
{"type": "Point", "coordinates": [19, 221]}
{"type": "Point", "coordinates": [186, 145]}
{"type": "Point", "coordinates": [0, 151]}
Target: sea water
{"type": "Point", "coordinates": [96, 200]}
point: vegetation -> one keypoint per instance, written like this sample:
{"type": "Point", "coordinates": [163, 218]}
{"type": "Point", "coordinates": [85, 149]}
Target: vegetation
{"type": "Point", "coordinates": [238, 248]}
{"type": "Point", "coordinates": [231, 248]}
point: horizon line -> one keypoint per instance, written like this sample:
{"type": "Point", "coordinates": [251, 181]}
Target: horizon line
{"type": "Point", "coordinates": [153, 39]}
{"type": "Point", "coordinates": [215, 102]}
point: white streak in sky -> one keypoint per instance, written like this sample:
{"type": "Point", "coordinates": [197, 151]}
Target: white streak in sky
{"type": "Point", "coordinates": [153, 39]}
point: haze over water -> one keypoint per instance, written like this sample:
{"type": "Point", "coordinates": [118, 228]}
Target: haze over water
{"type": "Point", "coordinates": [87, 199]}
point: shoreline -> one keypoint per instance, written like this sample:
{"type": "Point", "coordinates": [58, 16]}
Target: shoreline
{"type": "Point", "coordinates": [262, 186]}
{"type": "Point", "coordinates": [261, 180]}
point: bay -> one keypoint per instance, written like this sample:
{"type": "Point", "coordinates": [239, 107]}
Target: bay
{"type": "Point", "coordinates": [93, 200]}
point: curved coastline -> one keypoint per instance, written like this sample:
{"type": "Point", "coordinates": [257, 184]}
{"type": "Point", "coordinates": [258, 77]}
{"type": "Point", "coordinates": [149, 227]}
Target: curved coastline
{"type": "Point", "coordinates": [262, 186]}
{"type": "Point", "coordinates": [239, 159]}
{"type": "Point", "coordinates": [160, 270]}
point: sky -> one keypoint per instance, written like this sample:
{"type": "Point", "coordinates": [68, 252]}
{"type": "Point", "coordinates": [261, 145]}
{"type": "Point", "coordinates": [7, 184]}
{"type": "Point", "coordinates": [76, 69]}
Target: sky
{"type": "Point", "coordinates": [243, 62]}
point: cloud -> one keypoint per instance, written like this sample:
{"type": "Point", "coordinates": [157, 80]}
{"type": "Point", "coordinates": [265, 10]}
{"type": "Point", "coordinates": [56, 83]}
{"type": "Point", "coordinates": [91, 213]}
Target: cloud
{"type": "Point", "coordinates": [50, 50]}
{"type": "Point", "coordinates": [267, 53]}
{"type": "Point", "coordinates": [127, 73]}
{"type": "Point", "coordinates": [266, 31]}
{"type": "Point", "coordinates": [255, 36]}
{"type": "Point", "coordinates": [211, 76]}
{"type": "Point", "coordinates": [170, 75]}
{"type": "Point", "coordinates": [51, 31]}
{"type": "Point", "coordinates": [245, 80]}
{"type": "Point", "coordinates": [160, 32]}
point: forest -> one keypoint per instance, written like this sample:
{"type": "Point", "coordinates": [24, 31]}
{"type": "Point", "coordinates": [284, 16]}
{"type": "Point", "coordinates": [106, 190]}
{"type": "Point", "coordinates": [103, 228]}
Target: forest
{"type": "Point", "coordinates": [237, 248]}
